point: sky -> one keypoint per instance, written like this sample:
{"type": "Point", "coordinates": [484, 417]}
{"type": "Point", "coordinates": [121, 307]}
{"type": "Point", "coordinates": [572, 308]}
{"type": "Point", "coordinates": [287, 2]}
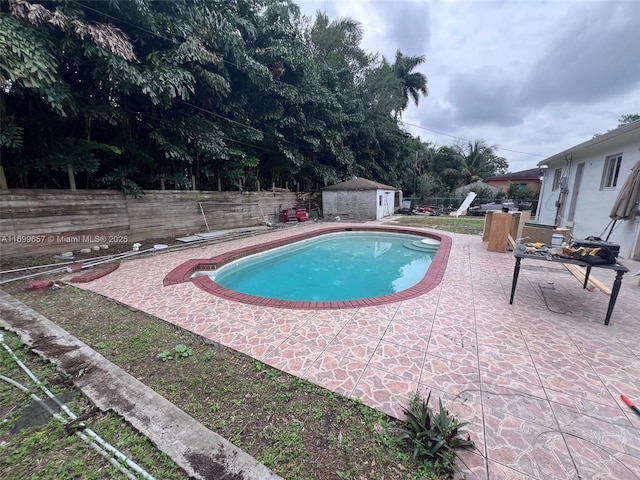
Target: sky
{"type": "Point", "coordinates": [531, 77]}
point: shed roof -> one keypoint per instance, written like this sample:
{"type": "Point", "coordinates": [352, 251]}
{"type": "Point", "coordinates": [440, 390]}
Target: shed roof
{"type": "Point", "coordinates": [359, 184]}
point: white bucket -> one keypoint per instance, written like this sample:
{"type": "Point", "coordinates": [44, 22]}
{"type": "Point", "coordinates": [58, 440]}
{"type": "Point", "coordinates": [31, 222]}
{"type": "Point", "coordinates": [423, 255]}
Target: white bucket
{"type": "Point", "coordinates": [557, 239]}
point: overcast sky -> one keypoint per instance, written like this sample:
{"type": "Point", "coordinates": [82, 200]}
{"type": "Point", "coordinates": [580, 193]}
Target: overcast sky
{"type": "Point", "coordinates": [528, 76]}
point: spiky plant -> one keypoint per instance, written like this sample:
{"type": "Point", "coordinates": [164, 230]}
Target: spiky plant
{"type": "Point", "coordinates": [435, 437]}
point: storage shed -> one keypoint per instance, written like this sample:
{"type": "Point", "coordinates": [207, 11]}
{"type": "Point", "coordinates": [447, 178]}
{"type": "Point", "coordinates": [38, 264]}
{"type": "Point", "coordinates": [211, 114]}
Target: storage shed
{"type": "Point", "coordinates": [360, 199]}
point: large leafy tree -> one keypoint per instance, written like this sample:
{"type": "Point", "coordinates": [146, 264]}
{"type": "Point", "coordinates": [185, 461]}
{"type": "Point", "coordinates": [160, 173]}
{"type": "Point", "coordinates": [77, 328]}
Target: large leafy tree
{"type": "Point", "coordinates": [421, 179]}
{"type": "Point", "coordinates": [113, 97]}
{"type": "Point", "coordinates": [204, 94]}
{"type": "Point", "coordinates": [445, 163]}
{"type": "Point", "coordinates": [386, 148]}
{"type": "Point", "coordinates": [339, 63]}
{"type": "Point", "coordinates": [290, 107]}
{"type": "Point", "coordinates": [41, 55]}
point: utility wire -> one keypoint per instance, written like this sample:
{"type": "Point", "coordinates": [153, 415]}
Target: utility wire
{"type": "Point", "coordinates": [467, 140]}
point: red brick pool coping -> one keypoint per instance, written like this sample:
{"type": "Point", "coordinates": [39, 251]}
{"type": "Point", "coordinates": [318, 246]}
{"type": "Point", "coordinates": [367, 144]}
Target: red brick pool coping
{"type": "Point", "coordinates": [432, 278]}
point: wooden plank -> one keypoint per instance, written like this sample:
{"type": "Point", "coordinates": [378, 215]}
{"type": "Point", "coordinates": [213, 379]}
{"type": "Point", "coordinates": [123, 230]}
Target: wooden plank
{"type": "Point", "coordinates": [159, 212]}
{"type": "Point", "coordinates": [487, 226]}
{"type": "Point", "coordinates": [525, 216]}
{"type": "Point", "coordinates": [29, 206]}
{"type": "Point", "coordinates": [52, 201]}
{"type": "Point", "coordinates": [163, 201]}
{"type": "Point", "coordinates": [498, 235]}
{"type": "Point", "coordinates": [7, 225]}
{"type": "Point", "coordinates": [599, 285]}
{"type": "Point", "coordinates": [61, 211]}
{"type": "Point", "coordinates": [515, 221]}
{"type": "Point", "coordinates": [68, 227]}
{"type": "Point", "coordinates": [80, 222]}
{"type": "Point", "coordinates": [580, 272]}
{"type": "Point", "coordinates": [150, 233]}
{"type": "Point", "coordinates": [44, 212]}
{"type": "Point", "coordinates": [164, 221]}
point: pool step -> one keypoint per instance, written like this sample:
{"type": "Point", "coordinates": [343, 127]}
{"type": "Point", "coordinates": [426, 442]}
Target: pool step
{"type": "Point", "coordinates": [420, 246]}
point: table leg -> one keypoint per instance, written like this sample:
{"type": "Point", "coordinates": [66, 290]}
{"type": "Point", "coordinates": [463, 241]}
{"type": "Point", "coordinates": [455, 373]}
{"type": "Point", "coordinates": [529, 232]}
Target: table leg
{"type": "Point", "coordinates": [614, 295]}
{"type": "Point", "coordinates": [516, 272]}
{"type": "Point", "coordinates": [586, 276]}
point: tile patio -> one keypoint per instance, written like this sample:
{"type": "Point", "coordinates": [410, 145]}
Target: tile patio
{"type": "Point", "coordinates": [539, 380]}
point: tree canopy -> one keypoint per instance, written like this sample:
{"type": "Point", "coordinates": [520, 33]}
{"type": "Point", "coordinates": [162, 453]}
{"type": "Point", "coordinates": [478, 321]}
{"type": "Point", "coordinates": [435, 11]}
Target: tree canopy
{"type": "Point", "coordinates": [208, 94]}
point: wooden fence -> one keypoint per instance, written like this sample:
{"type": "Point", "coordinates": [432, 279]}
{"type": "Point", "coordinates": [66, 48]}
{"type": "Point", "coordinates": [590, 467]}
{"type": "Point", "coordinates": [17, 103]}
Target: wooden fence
{"type": "Point", "coordinates": [53, 221]}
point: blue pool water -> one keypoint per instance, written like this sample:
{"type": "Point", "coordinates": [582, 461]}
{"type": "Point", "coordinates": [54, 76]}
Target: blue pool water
{"type": "Point", "coordinates": [332, 267]}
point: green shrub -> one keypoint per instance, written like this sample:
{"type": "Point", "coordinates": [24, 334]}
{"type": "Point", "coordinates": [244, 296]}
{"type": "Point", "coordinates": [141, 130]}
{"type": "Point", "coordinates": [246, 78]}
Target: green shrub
{"type": "Point", "coordinates": [179, 351]}
{"type": "Point", "coordinates": [435, 437]}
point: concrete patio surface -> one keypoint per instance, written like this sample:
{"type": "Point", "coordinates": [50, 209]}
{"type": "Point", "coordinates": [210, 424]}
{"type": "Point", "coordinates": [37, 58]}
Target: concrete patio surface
{"type": "Point", "coordinates": [538, 381]}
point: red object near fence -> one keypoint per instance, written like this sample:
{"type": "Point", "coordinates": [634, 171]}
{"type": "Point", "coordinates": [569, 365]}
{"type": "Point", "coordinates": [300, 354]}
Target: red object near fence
{"type": "Point", "coordinates": [302, 215]}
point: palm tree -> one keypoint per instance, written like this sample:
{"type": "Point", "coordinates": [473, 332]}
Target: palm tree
{"type": "Point", "coordinates": [483, 161]}
{"type": "Point", "coordinates": [476, 162]}
{"type": "Point", "coordinates": [413, 83]}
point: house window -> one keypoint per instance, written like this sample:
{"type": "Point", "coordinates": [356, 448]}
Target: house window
{"type": "Point", "coordinates": [611, 170]}
{"type": "Point", "coordinates": [557, 176]}
{"type": "Point", "coordinates": [379, 200]}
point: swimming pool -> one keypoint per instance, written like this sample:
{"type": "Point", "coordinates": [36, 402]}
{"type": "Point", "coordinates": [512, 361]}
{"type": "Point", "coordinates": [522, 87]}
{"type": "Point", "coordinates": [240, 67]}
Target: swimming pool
{"type": "Point", "coordinates": [423, 269]}
{"type": "Point", "coordinates": [332, 267]}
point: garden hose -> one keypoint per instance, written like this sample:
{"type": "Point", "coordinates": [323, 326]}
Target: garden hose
{"type": "Point", "coordinates": [90, 434]}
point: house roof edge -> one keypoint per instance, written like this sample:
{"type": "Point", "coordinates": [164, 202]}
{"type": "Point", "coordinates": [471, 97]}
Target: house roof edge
{"type": "Point", "coordinates": [625, 129]}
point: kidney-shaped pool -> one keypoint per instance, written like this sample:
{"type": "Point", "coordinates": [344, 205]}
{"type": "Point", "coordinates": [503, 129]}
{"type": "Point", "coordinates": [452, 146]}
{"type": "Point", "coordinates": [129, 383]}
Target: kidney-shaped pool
{"type": "Point", "coordinates": [332, 268]}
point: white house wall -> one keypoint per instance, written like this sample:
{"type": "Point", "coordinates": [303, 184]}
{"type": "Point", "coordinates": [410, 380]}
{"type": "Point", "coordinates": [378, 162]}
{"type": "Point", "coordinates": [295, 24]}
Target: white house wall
{"type": "Point", "coordinates": [593, 204]}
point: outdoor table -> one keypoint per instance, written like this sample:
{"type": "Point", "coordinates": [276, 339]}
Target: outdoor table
{"type": "Point", "coordinates": [619, 269]}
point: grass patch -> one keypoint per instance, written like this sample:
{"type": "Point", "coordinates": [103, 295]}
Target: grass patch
{"type": "Point", "coordinates": [468, 225]}
{"type": "Point", "coordinates": [298, 429]}
{"type": "Point", "coordinates": [34, 445]}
